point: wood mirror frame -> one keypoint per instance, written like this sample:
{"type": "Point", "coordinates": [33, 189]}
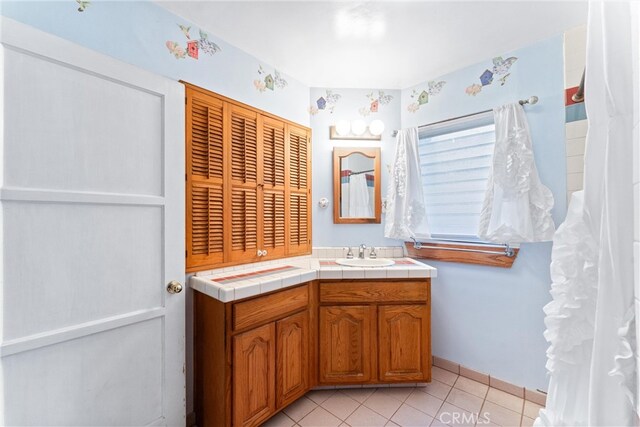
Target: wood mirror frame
{"type": "Point", "coordinates": [338, 154]}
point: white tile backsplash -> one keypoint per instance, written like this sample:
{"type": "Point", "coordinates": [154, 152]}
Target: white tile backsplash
{"type": "Point", "coordinates": [575, 146]}
{"type": "Point", "coordinates": [577, 129]}
{"type": "Point", "coordinates": [575, 164]}
{"type": "Point", "coordinates": [574, 181]}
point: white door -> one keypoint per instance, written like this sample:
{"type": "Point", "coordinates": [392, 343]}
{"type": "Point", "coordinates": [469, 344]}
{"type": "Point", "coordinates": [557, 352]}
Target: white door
{"type": "Point", "coordinates": [92, 213]}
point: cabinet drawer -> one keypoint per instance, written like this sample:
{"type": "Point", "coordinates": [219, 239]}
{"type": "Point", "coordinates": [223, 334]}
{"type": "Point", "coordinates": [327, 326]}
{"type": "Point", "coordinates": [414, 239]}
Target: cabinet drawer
{"type": "Point", "coordinates": [271, 307]}
{"type": "Point", "coordinates": [361, 291]}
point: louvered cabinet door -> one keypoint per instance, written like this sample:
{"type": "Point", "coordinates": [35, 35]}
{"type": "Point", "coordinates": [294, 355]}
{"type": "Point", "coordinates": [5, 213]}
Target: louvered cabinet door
{"type": "Point", "coordinates": [244, 178]}
{"type": "Point", "coordinates": [205, 177]}
{"type": "Point", "coordinates": [273, 189]}
{"type": "Point", "coordinates": [299, 190]}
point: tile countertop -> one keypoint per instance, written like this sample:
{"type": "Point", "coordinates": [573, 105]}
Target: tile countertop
{"type": "Point", "coordinates": [234, 283]}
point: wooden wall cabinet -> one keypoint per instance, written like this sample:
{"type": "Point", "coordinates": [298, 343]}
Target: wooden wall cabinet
{"type": "Point", "coordinates": [253, 357]}
{"type": "Point", "coordinates": [385, 341]}
{"type": "Point", "coordinates": [248, 183]}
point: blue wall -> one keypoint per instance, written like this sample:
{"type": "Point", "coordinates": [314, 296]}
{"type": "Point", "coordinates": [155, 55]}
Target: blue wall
{"type": "Point", "coordinates": [325, 232]}
{"type": "Point", "coordinates": [136, 32]}
{"type": "Point", "coordinates": [491, 319]}
{"type": "Point", "coordinates": [488, 319]}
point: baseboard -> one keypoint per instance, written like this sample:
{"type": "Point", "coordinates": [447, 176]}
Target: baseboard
{"type": "Point", "coordinates": [534, 396]}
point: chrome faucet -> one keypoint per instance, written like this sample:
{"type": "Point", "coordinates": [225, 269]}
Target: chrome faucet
{"type": "Point", "coordinates": [361, 249]}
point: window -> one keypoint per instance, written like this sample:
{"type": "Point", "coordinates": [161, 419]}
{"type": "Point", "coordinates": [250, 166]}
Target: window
{"type": "Point", "coordinates": [455, 158]}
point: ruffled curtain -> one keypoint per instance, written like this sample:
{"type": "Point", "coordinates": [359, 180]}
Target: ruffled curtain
{"type": "Point", "coordinates": [591, 319]}
{"type": "Point", "coordinates": [406, 215]}
{"type": "Point", "coordinates": [517, 207]}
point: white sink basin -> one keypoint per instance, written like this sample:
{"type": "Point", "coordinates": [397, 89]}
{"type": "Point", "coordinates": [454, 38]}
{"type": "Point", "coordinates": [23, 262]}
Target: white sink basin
{"type": "Point", "coordinates": [367, 262]}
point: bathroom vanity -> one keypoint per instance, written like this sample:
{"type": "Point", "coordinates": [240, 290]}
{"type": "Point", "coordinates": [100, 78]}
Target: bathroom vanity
{"type": "Point", "coordinates": [267, 335]}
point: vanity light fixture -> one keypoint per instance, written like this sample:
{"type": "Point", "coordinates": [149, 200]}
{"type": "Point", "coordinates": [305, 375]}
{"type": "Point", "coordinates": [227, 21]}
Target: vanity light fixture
{"type": "Point", "coordinates": [357, 130]}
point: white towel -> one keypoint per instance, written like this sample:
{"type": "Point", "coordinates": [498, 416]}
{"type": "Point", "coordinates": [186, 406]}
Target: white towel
{"type": "Point", "coordinates": [359, 205]}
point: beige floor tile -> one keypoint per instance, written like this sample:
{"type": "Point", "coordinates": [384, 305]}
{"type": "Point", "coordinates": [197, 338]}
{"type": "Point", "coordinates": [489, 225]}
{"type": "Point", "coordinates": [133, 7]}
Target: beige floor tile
{"type": "Point", "coordinates": [408, 416]}
{"type": "Point", "coordinates": [470, 386]}
{"type": "Point", "coordinates": [358, 394]}
{"type": "Point", "coordinates": [298, 409]}
{"type": "Point", "coordinates": [320, 396]}
{"type": "Point", "coordinates": [443, 375]}
{"type": "Point", "coordinates": [453, 416]}
{"type": "Point", "coordinates": [382, 404]}
{"type": "Point", "coordinates": [344, 425]}
{"type": "Point", "coordinates": [464, 400]}
{"type": "Point", "coordinates": [365, 417]}
{"type": "Point", "coordinates": [340, 405]}
{"type": "Point", "coordinates": [400, 393]}
{"type": "Point", "coordinates": [505, 399]}
{"type": "Point", "coordinates": [279, 420]}
{"type": "Point", "coordinates": [527, 422]}
{"type": "Point", "coordinates": [391, 424]}
{"type": "Point", "coordinates": [500, 415]}
{"type": "Point", "coordinates": [320, 417]}
{"type": "Point", "coordinates": [531, 409]}
{"type": "Point", "coordinates": [424, 402]}
{"type": "Point", "coordinates": [436, 388]}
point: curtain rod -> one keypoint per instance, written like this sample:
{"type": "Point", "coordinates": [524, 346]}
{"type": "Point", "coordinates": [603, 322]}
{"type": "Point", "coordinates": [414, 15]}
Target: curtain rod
{"type": "Point", "coordinates": [358, 173]}
{"type": "Point", "coordinates": [531, 100]}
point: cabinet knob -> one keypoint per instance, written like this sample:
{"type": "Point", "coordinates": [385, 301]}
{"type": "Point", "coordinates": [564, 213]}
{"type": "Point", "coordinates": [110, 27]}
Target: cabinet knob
{"type": "Point", "coordinates": [174, 287]}
{"type": "Point", "coordinates": [264, 252]}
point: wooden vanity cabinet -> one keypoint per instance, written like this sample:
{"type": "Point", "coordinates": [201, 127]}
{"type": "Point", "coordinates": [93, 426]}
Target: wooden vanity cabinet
{"type": "Point", "coordinates": [347, 339]}
{"type": "Point", "coordinates": [374, 331]}
{"type": "Point", "coordinates": [254, 356]}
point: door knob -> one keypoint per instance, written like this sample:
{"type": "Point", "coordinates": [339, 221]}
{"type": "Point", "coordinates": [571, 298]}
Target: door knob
{"type": "Point", "coordinates": [174, 287]}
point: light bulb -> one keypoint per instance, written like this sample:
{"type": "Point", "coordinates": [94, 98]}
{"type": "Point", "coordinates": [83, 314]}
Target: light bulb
{"type": "Point", "coordinates": [358, 127]}
{"type": "Point", "coordinates": [343, 127]}
{"type": "Point", "coordinates": [376, 127]}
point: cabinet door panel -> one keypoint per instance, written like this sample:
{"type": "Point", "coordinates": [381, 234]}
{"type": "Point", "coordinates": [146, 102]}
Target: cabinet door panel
{"type": "Point", "coordinates": [254, 376]}
{"type": "Point", "coordinates": [205, 148]}
{"type": "Point", "coordinates": [292, 358]}
{"type": "Point", "coordinates": [246, 210]}
{"type": "Point", "coordinates": [404, 345]}
{"type": "Point", "coordinates": [299, 190]}
{"type": "Point", "coordinates": [347, 350]}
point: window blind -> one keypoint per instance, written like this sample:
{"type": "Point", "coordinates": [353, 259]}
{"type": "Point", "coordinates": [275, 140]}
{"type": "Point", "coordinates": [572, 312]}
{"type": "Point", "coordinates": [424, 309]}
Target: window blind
{"type": "Point", "coordinates": [455, 162]}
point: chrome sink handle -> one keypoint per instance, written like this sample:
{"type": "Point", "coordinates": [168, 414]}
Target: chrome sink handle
{"type": "Point", "coordinates": [349, 253]}
{"type": "Point", "coordinates": [373, 254]}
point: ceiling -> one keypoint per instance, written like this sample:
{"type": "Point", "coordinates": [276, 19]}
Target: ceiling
{"type": "Point", "coordinates": [372, 44]}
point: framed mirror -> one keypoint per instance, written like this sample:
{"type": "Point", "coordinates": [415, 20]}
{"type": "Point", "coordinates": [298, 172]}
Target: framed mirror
{"type": "Point", "coordinates": [356, 186]}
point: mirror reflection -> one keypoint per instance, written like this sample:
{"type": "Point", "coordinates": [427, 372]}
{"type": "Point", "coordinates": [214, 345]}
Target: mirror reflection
{"type": "Point", "coordinates": [356, 185]}
{"type": "Point", "coordinates": [357, 180]}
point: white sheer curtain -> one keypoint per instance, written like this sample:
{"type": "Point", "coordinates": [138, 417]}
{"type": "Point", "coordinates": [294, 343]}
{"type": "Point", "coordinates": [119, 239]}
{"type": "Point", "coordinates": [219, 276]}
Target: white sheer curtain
{"type": "Point", "coordinates": [517, 207]}
{"type": "Point", "coordinates": [406, 216]}
{"type": "Point", "coordinates": [591, 319]}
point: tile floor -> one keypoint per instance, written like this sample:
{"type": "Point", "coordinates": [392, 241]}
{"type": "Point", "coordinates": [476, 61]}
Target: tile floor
{"type": "Point", "coordinates": [448, 400]}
